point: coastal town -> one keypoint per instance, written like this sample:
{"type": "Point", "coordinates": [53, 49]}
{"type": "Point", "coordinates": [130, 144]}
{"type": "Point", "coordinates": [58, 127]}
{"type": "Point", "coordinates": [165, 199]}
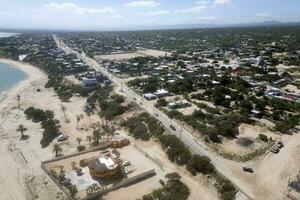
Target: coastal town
{"type": "Point", "coordinates": [181, 114]}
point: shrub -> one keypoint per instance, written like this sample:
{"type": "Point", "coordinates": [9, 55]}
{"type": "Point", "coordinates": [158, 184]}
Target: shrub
{"type": "Point", "coordinates": [200, 164]}
{"type": "Point", "coordinates": [263, 137]}
{"type": "Point", "coordinates": [81, 148]}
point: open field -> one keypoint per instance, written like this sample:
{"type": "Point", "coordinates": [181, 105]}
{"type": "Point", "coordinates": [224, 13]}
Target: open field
{"type": "Point", "coordinates": [126, 56]}
{"type": "Point", "coordinates": [248, 133]}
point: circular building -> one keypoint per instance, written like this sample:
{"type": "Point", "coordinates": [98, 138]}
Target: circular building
{"type": "Point", "coordinates": [106, 166]}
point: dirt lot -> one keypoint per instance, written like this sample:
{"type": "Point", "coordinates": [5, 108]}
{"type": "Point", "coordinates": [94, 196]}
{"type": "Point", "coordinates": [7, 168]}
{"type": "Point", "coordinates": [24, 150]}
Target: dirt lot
{"type": "Point", "coordinates": [138, 53]}
{"type": "Point", "coordinates": [250, 132]}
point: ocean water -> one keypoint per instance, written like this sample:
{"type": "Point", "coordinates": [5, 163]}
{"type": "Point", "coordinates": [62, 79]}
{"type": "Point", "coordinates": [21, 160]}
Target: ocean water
{"type": "Point", "coordinates": [9, 76]}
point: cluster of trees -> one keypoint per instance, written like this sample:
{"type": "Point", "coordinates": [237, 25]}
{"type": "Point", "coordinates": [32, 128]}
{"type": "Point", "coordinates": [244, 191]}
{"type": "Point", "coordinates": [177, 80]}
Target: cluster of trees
{"type": "Point", "coordinates": [225, 188]}
{"type": "Point", "coordinates": [161, 102]}
{"type": "Point", "coordinates": [144, 127]}
{"type": "Point", "coordinates": [288, 124]}
{"type": "Point", "coordinates": [66, 91]}
{"type": "Point", "coordinates": [38, 115]}
{"type": "Point", "coordinates": [174, 189]}
{"type": "Point", "coordinates": [49, 124]}
{"type": "Point", "coordinates": [101, 94]}
{"type": "Point", "coordinates": [226, 125]}
{"type": "Point", "coordinates": [175, 149]}
{"type": "Point", "coordinates": [200, 164]}
{"type": "Point", "coordinates": [177, 152]}
{"type": "Point", "coordinates": [111, 109]}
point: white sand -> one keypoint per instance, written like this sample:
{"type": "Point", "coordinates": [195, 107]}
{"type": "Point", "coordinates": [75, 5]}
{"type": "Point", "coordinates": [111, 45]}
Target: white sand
{"type": "Point", "coordinates": [21, 176]}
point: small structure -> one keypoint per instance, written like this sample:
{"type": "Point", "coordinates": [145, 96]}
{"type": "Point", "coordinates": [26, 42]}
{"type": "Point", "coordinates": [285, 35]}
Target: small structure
{"type": "Point", "coordinates": [88, 82]}
{"type": "Point", "coordinates": [256, 114]}
{"type": "Point", "coordinates": [149, 96]}
{"type": "Point", "coordinates": [120, 144]}
{"type": "Point", "coordinates": [161, 93]}
{"type": "Point", "coordinates": [178, 104]}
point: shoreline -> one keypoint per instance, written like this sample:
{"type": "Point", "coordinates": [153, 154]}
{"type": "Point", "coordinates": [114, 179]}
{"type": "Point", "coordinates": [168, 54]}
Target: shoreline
{"type": "Point", "coordinates": [22, 159]}
{"type": "Point", "coordinates": [32, 73]}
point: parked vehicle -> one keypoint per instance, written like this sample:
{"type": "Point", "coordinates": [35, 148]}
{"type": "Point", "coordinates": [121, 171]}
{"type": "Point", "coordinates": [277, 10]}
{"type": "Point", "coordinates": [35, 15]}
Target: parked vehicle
{"type": "Point", "coordinates": [126, 163]}
{"type": "Point", "coordinates": [62, 137]}
{"type": "Point", "coordinates": [128, 171]}
{"type": "Point", "coordinates": [274, 150]}
{"type": "Point", "coordinates": [161, 182]}
{"type": "Point", "coordinates": [279, 145]}
{"type": "Point", "coordinates": [248, 169]}
{"type": "Point", "coordinates": [172, 127]}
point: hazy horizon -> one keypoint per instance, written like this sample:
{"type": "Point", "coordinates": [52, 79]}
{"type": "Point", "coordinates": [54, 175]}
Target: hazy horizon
{"type": "Point", "coordinates": [130, 15]}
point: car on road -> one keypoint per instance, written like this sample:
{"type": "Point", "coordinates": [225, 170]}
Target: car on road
{"type": "Point", "coordinates": [248, 169]}
{"type": "Point", "coordinates": [141, 103]}
{"type": "Point", "coordinates": [172, 127]}
{"type": "Point", "coordinates": [62, 137]}
{"type": "Point", "coordinates": [156, 115]}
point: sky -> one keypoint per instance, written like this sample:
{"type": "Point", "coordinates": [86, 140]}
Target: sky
{"type": "Point", "coordinates": [119, 14]}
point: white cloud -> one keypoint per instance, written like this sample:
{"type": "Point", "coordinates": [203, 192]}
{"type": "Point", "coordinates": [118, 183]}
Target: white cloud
{"type": "Point", "coordinates": [209, 18]}
{"type": "Point", "coordinates": [155, 13]}
{"type": "Point", "coordinates": [74, 8]}
{"type": "Point", "coordinates": [3, 13]}
{"type": "Point", "coordinates": [203, 2]}
{"type": "Point", "coordinates": [263, 15]}
{"type": "Point", "coordinates": [222, 2]}
{"type": "Point", "coordinates": [150, 4]}
{"type": "Point", "coordinates": [194, 10]}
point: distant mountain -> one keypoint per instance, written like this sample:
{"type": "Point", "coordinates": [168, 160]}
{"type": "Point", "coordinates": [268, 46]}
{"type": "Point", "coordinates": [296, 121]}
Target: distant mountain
{"type": "Point", "coordinates": [211, 25]}
{"type": "Point", "coordinates": [271, 23]}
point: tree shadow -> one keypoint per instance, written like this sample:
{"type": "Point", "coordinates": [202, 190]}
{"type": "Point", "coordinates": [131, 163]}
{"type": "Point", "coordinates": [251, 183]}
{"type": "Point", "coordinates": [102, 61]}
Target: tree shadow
{"type": "Point", "coordinates": [24, 137]}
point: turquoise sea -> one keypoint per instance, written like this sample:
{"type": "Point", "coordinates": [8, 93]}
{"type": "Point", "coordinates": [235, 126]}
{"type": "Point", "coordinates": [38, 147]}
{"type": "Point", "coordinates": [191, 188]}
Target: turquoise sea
{"type": "Point", "coordinates": [9, 76]}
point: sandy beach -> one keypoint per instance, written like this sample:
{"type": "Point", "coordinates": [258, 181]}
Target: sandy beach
{"type": "Point", "coordinates": [20, 174]}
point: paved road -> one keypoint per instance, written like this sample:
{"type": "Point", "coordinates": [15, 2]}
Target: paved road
{"type": "Point", "coordinates": [246, 190]}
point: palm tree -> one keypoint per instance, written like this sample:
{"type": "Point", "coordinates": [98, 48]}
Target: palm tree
{"type": "Point", "coordinates": [79, 140]}
{"type": "Point", "coordinates": [89, 138]}
{"type": "Point", "coordinates": [63, 108]}
{"type": "Point", "coordinates": [78, 119]}
{"type": "Point", "coordinates": [109, 130]}
{"type": "Point", "coordinates": [18, 99]}
{"type": "Point", "coordinates": [97, 135]}
{"type": "Point", "coordinates": [89, 119]}
{"type": "Point", "coordinates": [21, 128]}
{"type": "Point", "coordinates": [56, 149]}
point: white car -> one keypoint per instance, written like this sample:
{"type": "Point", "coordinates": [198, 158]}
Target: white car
{"type": "Point", "coordinates": [128, 171]}
{"type": "Point", "coordinates": [62, 137]}
{"type": "Point", "coordinates": [126, 163]}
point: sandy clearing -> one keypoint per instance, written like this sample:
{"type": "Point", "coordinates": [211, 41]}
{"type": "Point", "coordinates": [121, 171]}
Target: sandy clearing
{"type": "Point", "coordinates": [138, 53]}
